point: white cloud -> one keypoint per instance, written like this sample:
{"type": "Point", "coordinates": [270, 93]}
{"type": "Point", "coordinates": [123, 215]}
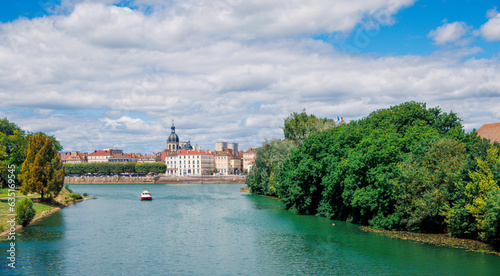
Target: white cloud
{"type": "Point", "coordinates": [450, 33]}
{"type": "Point", "coordinates": [492, 13]}
{"type": "Point", "coordinates": [491, 29]}
{"type": "Point", "coordinates": [105, 76]}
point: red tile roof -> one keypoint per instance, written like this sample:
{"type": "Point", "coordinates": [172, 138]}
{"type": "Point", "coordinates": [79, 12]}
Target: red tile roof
{"type": "Point", "coordinates": [490, 132]}
{"type": "Point", "coordinates": [101, 152]}
{"type": "Point", "coordinates": [194, 152]}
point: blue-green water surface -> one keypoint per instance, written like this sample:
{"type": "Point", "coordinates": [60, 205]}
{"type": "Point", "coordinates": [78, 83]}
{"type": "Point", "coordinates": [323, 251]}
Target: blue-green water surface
{"type": "Point", "coordinates": [214, 229]}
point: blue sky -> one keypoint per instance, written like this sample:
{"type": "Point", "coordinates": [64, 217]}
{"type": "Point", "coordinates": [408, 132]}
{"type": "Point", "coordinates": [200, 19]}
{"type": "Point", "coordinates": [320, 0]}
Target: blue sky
{"type": "Point", "coordinates": [105, 73]}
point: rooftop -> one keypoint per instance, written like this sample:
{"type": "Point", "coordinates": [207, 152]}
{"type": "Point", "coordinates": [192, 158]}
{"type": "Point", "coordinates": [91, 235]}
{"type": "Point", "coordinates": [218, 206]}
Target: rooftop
{"type": "Point", "coordinates": [490, 132]}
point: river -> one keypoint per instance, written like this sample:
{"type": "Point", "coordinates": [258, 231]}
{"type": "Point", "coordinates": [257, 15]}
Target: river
{"type": "Point", "coordinates": [214, 229]}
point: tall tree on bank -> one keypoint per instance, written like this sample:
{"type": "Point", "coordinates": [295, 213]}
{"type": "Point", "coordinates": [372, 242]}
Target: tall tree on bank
{"type": "Point", "coordinates": [13, 142]}
{"type": "Point", "coordinates": [42, 170]}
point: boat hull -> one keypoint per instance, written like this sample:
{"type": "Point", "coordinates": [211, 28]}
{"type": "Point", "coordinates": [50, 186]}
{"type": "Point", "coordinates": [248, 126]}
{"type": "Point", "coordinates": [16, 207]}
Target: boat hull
{"type": "Point", "coordinates": [146, 198]}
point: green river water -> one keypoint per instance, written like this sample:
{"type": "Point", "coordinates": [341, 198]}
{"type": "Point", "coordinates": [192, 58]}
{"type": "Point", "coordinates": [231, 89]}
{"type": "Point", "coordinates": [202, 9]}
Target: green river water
{"type": "Point", "coordinates": [214, 229]}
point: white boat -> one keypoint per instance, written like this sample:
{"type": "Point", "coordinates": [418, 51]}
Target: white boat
{"type": "Point", "coordinates": [146, 195]}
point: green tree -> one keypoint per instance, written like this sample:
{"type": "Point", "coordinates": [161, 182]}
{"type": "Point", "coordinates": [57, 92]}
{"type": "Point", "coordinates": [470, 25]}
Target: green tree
{"type": "Point", "coordinates": [129, 167]}
{"type": "Point", "coordinates": [13, 143]}
{"type": "Point", "coordinates": [262, 179]}
{"type": "Point", "coordinates": [426, 185]}
{"type": "Point", "coordinates": [24, 211]}
{"type": "Point", "coordinates": [299, 126]}
{"type": "Point", "coordinates": [483, 196]}
{"type": "Point", "coordinates": [42, 171]}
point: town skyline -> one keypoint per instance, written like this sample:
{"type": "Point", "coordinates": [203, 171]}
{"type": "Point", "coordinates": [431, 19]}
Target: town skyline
{"type": "Point", "coordinates": [112, 73]}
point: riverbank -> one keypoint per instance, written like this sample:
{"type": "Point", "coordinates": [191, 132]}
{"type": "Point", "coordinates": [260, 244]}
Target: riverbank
{"type": "Point", "coordinates": [436, 239]}
{"type": "Point", "coordinates": [43, 210]}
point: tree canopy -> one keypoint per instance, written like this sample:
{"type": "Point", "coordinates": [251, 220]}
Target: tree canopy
{"type": "Point", "coordinates": [13, 142]}
{"type": "Point", "coordinates": [42, 170]}
{"type": "Point", "coordinates": [406, 167]}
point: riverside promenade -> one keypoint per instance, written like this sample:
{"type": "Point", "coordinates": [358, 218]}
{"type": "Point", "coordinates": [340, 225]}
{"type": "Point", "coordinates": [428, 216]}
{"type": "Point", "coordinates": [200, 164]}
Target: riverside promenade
{"type": "Point", "coordinates": [212, 179]}
{"type": "Point", "coordinates": [221, 179]}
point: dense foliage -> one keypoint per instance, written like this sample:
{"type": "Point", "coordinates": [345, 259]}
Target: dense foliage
{"type": "Point", "coordinates": [407, 167]}
{"type": "Point", "coordinates": [24, 211]}
{"type": "Point", "coordinates": [270, 157]}
{"type": "Point", "coordinates": [13, 142]}
{"type": "Point", "coordinates": [299, 126]}
{"type": "Point", "coordinates": [107, 168]}
{"type": "Point", "coordinates": [42, 170]}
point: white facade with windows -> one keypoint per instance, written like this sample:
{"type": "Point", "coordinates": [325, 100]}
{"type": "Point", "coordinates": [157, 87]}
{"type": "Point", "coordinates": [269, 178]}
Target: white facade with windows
{"type": "Point", "coordinates": [191, 162]}
{"type": "Point", "coordinates": [171, 162]}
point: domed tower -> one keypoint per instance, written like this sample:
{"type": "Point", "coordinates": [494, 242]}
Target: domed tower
{"type": "Point", "coordinates": [173, 139]}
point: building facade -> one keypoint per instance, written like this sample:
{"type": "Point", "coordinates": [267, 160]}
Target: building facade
{"type": "Point", "coordinates": [191, 162]}
{"type": "Point", "coordinates": [73, 157]}
{"type": "Point", "coordinates": [222, 162]}
{"type": "Point", "coordinates": [171, 162]}
{"type": "Point", "coordinates": [219, 146]}
{"type": "Point", "coordinates": [99, 156]}
{"type": "Point", "coordinates": [249, 158]}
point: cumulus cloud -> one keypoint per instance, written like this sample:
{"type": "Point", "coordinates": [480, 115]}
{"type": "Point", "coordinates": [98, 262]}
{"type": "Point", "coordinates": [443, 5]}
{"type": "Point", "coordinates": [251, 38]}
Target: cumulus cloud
{"type": "Point", "coordinates": [106, 76]}
{"type": "Point", "coordinates": [491, 29]}
{"type": "Point", "coordinates": [450, 33]}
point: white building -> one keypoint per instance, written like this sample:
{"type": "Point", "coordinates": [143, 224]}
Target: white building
{"type": "Point", "coordinates": [191, 162]}
{"type": "Point", "coordinates": [171, 162]}
{"type": "Point", "coordinates": [222, 162]}
{"type": "Point", "coordinates": [99, 156]}
{"type": "Point", "coordinates": [249, 158]}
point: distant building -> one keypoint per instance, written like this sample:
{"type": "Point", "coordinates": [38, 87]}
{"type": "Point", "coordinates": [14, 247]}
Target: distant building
{"type": "Point", "coordinates": [186, 145]}
{"type": "Point", "coordinates": [249, 158]}
{"type": "Point", "coordinates": [190, 162]}
{"type": "Point", "coordinates": [237, 165]}
{"type": "Point", "coordinates": [155, 157]}
{"type": "Point", "coordinates": [198, 148]}
{"type": "Point", "coordinates": [222, 162]}
{"type": "Point", "coordinates": [490, 132]}
{"type": "Point", "coordinates": [220, 145]}
{"type": "Point", "coordinates": [73, 157]}
{"type": "Point", "coordinates": [171, 162]}
{"type": "Point", "coordinates": [233, 146]}
{"type": "Point", "coordinates": [99, 156]}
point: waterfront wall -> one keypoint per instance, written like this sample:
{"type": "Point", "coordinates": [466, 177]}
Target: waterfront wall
{"type": "Point", "coordinates": [108, 179]}
{"type": "Point", "coordinates": [237, 179]}
{"type": "Point", "coordinates": [223, 179]}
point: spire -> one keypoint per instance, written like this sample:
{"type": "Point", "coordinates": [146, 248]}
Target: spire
{"type": "Point", "coordinates": [173, 127]}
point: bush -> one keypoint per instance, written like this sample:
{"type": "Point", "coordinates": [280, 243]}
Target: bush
{"type": "Point", "coordinates": [24, 211]}
{"type": "Point", "coordinates": [75, 196]}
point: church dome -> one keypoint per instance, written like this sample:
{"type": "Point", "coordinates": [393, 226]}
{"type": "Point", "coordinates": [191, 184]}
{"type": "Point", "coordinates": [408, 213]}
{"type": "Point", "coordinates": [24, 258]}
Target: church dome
{"type": "Point", "coordinates": [173, 138]}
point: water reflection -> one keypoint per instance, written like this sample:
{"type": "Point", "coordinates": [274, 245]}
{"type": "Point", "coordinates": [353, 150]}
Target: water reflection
{"type": "Point", "coordinates": [37, 249]}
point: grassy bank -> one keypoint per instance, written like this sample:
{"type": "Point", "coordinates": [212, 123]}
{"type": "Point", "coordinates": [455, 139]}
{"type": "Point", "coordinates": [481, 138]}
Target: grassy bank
{"type": "Point", "coordinates": [40, 208]}
{"type": "Point", "coordinates": [4, 207]}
